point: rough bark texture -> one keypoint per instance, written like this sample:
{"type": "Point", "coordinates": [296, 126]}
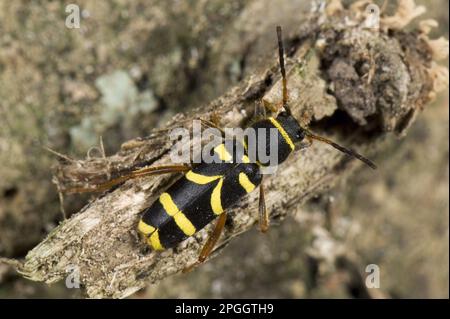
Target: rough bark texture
{"type": "Point", "coordinates": [347, 82]}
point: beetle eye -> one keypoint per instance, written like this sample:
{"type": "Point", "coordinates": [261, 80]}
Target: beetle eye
{"type": "Point", "coordinates": [300, 135]}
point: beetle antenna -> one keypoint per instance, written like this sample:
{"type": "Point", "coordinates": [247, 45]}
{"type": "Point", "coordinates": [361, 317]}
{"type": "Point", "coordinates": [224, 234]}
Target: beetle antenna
{"type": "Point", "coordinates": [343, 149]}
{"type": "Point", "coordinates": [282, 68]}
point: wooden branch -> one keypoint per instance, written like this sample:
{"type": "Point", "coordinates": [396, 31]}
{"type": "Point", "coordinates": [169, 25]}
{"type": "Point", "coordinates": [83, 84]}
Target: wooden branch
{"type": "Point", "coordinates": [347, 82]}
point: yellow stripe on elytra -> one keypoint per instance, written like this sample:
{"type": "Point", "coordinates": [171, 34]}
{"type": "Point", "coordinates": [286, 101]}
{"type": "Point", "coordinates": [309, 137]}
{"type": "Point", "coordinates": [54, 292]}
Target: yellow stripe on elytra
{"type": "Point", "coordinates": [145, 229]}
{"type": "Point", "coordinates": [216, 201]}
{"type": "Point", "coordinates": [222, 152]}
{"type": "Point", "coordinates": [246, 183]}
{"type": "Point", "coordinates": [184, 224]}
{"type": "Point", "coordinates": [180, 219]}
{"type": "Point", "coordinates": [282, 132]}
{"type": "Point", "coordinates": [200, 179]}
{"type": "Point", "coordinates": [244, 142]}
{"type": "Point", "coordinates": [169, 206]}
{"type": "Point", "coordinates": [154, 241]}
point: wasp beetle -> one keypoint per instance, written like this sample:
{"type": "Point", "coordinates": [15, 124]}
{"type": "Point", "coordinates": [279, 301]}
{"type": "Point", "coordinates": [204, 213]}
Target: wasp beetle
{"type": "Point", "coordinates": [207, 190]}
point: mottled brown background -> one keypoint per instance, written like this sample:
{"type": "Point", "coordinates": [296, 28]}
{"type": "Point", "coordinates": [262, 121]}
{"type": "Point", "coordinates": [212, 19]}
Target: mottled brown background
{"type": "Point", "coordinates": [131, 66]}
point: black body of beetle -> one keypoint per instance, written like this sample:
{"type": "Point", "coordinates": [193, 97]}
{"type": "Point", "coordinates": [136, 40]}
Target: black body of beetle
{"type": "Point", "coordinates": [207, 190]}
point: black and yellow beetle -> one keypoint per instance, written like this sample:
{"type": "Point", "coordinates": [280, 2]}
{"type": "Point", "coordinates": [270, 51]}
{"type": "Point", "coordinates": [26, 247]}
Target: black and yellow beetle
{"type": "Point", "coordinates": [208, 189]}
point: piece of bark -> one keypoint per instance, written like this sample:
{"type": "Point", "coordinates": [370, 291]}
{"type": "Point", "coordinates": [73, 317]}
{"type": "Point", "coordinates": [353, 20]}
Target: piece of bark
{"type": "Point", "coordinates": [356, 85]}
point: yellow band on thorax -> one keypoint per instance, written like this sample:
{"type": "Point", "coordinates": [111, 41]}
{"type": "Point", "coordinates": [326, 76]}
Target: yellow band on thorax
{"type": "Point", "coordinates": [282, 132]}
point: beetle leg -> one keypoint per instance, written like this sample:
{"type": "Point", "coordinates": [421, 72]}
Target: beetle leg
{"type": "Point", "coordinates": [263, 216]}
{"type": "Point", "coordinates": [259, 112]}
{"type": "Point", "coordinates": [210, 243]}
{"type": "Point", "coordinates": [271, 106]}
{"type": "Point", "coordinates": [213, 124]}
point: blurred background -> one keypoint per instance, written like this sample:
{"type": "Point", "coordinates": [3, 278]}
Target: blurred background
{"type": "Point", "coordinates": [130, 67]}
